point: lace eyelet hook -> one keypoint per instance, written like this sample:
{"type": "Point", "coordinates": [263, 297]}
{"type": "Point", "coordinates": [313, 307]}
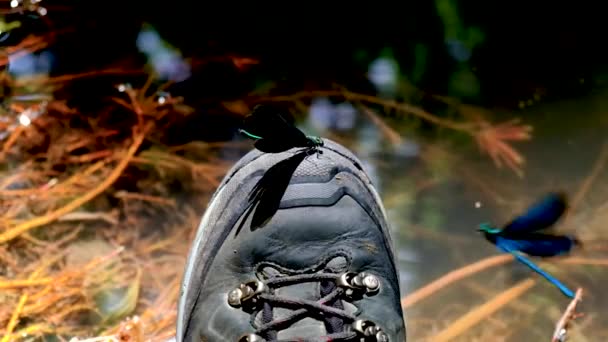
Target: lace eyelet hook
{"type": "Point", "coordinates": [369, 331]}
{"type": "Point", "coordinates": [345, 280]}
{"type": "Point", "coordinates": [245, 292]}
{"type": "Point", "coordinates": [251, 338]}
{"type": "Point", "coordinates": [361, 282]}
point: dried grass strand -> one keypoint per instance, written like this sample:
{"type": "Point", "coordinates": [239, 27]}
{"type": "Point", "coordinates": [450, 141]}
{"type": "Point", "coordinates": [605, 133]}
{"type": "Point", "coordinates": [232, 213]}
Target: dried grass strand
{"type": "Point", "coordinates": [567, 317]}
{"type": "Point", "coordinates": [588, 181]}
{"type": "Point", "coordinates": [483, 311]}
{"type": "Point", "coordinates": [12, 323]}
{"type": "Point", "coordinates": [453, 277]}
{"type": "Point", "coordinates": [14, 232]}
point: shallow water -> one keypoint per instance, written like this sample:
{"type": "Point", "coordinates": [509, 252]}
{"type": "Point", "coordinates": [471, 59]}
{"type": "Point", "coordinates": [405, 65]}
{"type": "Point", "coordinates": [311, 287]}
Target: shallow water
{"type": "Point", "coordinates": [434, 225]}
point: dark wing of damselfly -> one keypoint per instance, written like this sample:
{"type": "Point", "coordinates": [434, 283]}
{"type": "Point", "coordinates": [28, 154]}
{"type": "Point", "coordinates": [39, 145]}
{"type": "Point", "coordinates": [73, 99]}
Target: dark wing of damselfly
{"type": "Point", "coordinates": [265, 197]}
{"type": "Point", "coordinates": [540, 215]}
{"type": "Point", "coordinates": [535, 244]}
{"type": "Point", "coordinates": [273, 129]}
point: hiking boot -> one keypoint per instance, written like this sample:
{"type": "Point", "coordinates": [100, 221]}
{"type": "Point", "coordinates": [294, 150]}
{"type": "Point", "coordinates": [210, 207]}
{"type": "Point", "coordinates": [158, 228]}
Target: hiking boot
{"type": "Point", "coordinates": [322, 268]}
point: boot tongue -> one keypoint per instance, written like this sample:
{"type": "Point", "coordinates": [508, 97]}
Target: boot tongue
{"type": "Point", "coordinates": [306, 328]}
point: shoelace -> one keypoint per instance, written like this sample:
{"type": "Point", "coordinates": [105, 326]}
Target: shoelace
{"type": "Point", "coordinates": [258, 297]}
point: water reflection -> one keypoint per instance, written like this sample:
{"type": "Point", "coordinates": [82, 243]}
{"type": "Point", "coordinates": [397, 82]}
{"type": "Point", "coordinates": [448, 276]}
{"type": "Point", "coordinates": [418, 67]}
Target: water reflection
{"type": "Point", "coordinates": [165, 59]}
{"type": "Point", "coordinates": [384, 74]}
{"type": "Point", "coordinates": [325, 115]}
{"type": "Point", "coordinates": [435, 225]}
{"type": "Point", "coordinates": [30, 64]}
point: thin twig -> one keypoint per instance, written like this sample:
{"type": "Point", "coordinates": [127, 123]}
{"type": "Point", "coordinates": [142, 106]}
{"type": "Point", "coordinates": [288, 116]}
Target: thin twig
{"type": "Point", "coordinates": [586, 185]}
{"type": "Point", "coordinates": [93, 73]}
{"type": "Point", "coordinates": [561, 328]}
{"type": "Point", "coordinates": [88, 216]}
{"type": "Point", "coordinates": [479, 266]}
{"type": "Point", "coordinates": [454, 276]}
{"type": "Point", "coordinates": [487, 292]}
{"type": "Point", "coordinates": [12, 323]}
{"type": "Point", "coordinates": [20, 283]}
{"type": "Point", "coordinates": [111, 338]}
{"type": "Point", "coordinates": [393, 137]}
{"type": "Point", "coordinates": [12, 139]}
{"type": "Point", "coordinates": [480, 313]}
{"type": "Point", "coordinates": [34, 329]}
{"type": "Point", "coordinates": [60, 186]}
{"type": "Point", "coordinates": [85, 158]}
{"type": "Point", "coordinates": [28, 45]}
{"type": "Point", "coordinates": [583, 261]}
{"type": "Point", "coordinates": [124, 195]}
{"type": "Point", "coordinates": [402, 107]}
